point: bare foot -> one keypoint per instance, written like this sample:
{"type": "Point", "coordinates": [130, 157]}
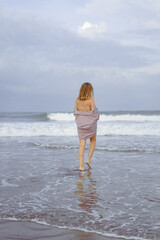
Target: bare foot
{"type": "Point", "coordinates": [88, 164]}
{"type": "Point", "coordinates": [81, 168]}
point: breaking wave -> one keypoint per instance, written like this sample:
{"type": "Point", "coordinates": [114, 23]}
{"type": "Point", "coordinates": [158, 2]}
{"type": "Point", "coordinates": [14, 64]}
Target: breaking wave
{"type": "Point", "coordinates": [107, 117]}
{"type": "Point", "coordinates": [70, 129]}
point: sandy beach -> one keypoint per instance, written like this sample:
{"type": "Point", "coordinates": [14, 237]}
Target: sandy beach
{"type": "Point", "coordinates": [15, 230]}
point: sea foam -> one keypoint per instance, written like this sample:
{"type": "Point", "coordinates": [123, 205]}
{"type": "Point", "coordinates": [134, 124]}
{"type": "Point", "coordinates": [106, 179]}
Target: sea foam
{"type": "Point", "coordinates": [69, 129]}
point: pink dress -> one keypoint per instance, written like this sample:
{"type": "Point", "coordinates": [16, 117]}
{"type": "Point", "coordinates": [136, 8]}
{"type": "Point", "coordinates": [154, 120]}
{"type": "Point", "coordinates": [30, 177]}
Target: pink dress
{"type": "Point", "coordinates": [86, 123]}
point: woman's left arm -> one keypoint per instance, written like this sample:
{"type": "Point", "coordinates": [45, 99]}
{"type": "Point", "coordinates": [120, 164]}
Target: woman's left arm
{"type": "Point", "coordinates": [76, 104]}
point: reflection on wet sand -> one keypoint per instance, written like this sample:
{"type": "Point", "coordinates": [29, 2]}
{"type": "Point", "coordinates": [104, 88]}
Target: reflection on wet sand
{"type": "Point", "coordinates": [86, 191]}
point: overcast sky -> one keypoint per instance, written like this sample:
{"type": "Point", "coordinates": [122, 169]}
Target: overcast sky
{"type": "Point", "coordinates": [48, 48]}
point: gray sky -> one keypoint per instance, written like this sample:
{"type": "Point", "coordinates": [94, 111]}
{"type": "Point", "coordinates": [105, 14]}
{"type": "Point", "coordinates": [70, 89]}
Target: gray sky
{"type": "Point", "coordinates": [48, 48]}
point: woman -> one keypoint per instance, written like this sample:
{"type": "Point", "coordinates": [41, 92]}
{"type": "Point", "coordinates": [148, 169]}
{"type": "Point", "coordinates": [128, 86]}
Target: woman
{"type": "Point", "coordinates": [86, 117]}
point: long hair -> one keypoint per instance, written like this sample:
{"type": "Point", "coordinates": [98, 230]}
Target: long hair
{"type": "Point", "coordinates": [86, 91]}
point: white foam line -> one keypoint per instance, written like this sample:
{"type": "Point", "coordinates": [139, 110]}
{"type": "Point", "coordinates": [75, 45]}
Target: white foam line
{"type": "Point", "coordinates": [112, 235]}
{"type": "Point", "coordinates": [104, 234]}
{"type": "Point", "coordinates": [55, 146]}
{"type": "Point", "coordinates": [6, 184]}
{"type": "Point", "coordinates": [97, 148]}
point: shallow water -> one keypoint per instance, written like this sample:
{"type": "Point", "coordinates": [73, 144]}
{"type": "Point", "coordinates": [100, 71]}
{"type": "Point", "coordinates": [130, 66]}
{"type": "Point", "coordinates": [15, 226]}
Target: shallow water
{"type": "Point", "coordinates": [119, 196]}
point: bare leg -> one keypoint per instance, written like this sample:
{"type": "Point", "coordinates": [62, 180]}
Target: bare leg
{"type": "Point", "coordinates": [81, 153]}
{"type": "Point", "coordinates": [91, 149]}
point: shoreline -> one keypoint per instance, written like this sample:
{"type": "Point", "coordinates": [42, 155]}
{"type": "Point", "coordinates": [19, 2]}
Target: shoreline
{"type": "Point", "coordinates": [18, 229]}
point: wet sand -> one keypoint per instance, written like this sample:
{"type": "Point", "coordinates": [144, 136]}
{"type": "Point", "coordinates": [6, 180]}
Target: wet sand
{"type": "Point", "coordinates": [19, 230]}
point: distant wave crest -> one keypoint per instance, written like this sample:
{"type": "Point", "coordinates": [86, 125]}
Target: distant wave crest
{"type": "Point", "coordinates": [61, 116]}
{"type": "Point", "coordinates": [107, 118]}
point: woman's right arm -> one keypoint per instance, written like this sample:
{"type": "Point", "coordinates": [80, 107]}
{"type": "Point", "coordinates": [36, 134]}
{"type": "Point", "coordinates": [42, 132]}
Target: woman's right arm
{"type": "Point", "coordinates": [92, 103]}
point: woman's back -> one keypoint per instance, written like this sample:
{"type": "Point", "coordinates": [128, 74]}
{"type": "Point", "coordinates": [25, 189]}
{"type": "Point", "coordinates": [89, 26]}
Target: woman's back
{"type": "Point", "coordinates": [86, 116]}
{"type": "Point", "coordinates": [84, 105]}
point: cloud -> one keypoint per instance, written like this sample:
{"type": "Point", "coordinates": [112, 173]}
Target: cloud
{"type": "Point", "coordinates": [42, 59]}
{"type": "Point", "coordinates": [126, 20]}
{"type": "Point", "coordinates": [92, 31]}
{"type": "Point", "coordinates": [132, 13]}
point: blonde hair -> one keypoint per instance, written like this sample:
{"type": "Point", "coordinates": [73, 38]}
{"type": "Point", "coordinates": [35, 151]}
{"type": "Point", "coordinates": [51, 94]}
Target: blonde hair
{"type": "Point", "coordinates": [86, 91]}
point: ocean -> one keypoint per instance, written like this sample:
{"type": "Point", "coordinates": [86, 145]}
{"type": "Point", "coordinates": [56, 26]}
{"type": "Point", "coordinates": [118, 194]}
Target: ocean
{"type": "Point", "coordinates": [40, 182]}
